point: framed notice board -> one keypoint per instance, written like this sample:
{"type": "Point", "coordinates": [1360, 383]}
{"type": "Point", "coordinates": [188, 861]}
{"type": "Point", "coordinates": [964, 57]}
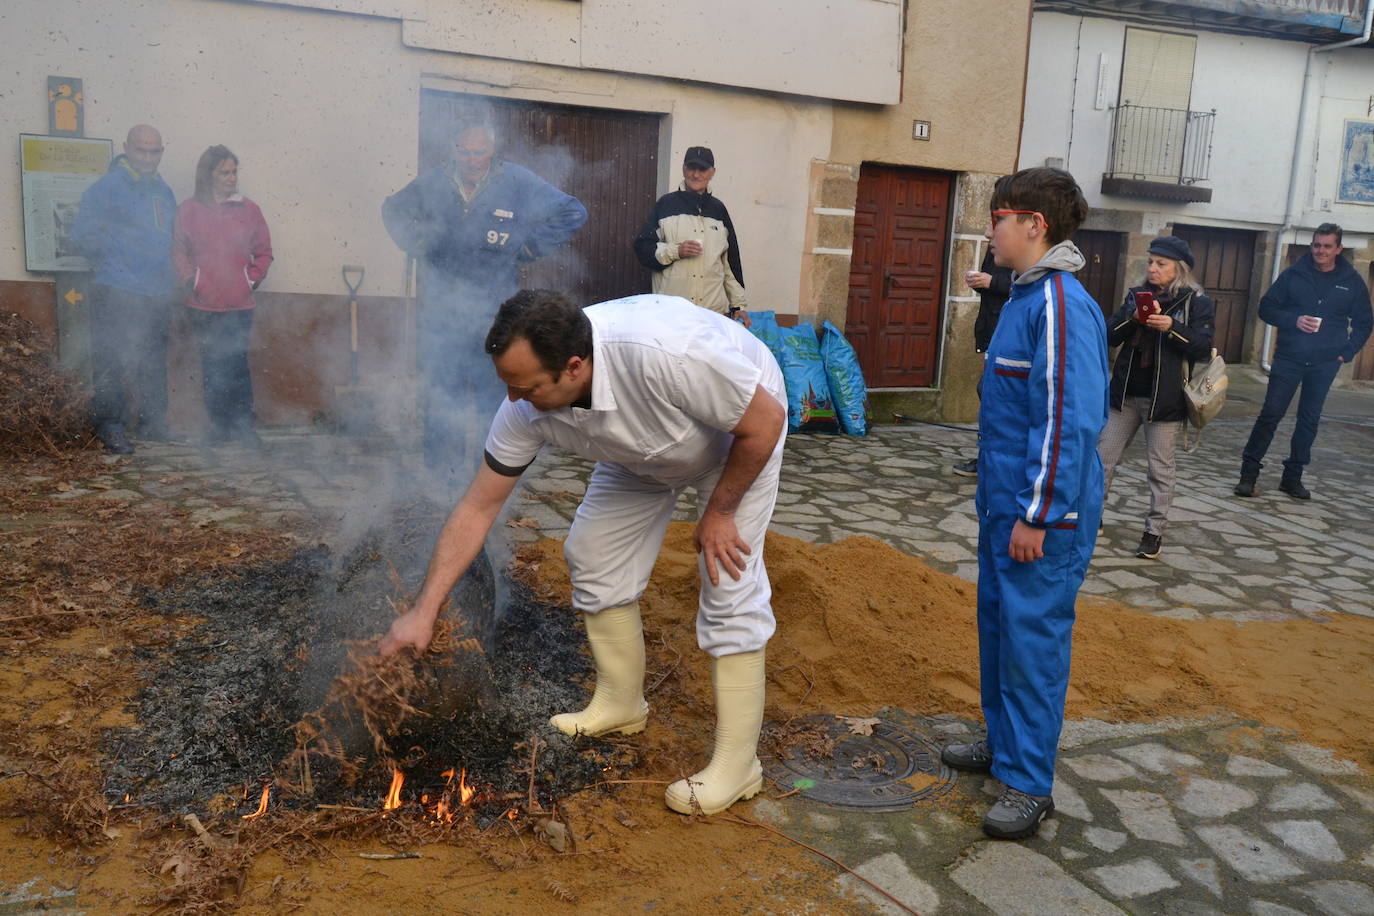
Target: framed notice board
{"type": "Point", "coordinates": [54, 172]}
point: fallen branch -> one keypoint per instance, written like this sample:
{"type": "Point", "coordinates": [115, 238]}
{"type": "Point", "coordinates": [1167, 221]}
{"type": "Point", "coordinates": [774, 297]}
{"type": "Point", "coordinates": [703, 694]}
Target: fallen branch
{"type": "Point", "coordinates": [387, 856]}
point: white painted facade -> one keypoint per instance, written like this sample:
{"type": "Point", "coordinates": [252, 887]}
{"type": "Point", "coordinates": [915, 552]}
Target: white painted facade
{"type": "Point", "coordinates": [1254, 84]}
{"type": "Point", "coordinates": [320, 100]}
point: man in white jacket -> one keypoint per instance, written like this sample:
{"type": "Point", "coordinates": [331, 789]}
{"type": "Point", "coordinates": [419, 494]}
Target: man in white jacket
{"type": "Point", "coordinates": [690, 245]}
{"type": "Point", "coordinates": [664, 396]}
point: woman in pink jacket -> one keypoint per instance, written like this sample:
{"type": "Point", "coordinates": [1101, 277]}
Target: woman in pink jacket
{"type": "Point", "coordinates": [222, 250]}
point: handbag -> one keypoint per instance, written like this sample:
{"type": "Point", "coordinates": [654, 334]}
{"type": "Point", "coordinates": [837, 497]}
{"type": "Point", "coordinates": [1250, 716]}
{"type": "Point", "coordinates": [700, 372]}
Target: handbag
{"type": "Point", "coordinates": [1204, 393]}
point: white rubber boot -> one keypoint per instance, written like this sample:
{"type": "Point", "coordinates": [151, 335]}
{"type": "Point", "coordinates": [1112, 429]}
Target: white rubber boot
{"type": "Point", "coordinates": [734, 772]}
{"type": "Point", "coordinates": [617, 704]}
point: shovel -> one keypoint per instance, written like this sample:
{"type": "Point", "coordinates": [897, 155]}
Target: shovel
{"type": "Point", "coordinates": [354, 406]}
{"type": "Point", "coordinates": [350, 271]}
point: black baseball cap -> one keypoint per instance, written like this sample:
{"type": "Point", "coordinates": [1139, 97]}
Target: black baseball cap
{"type": "Point", "coordinates": [700, 157]}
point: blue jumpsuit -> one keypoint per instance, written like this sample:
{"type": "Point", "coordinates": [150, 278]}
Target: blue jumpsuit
{"type": "Point", "coordinates": [1044, 404]}
{"type": "Point", "coordinates": [469, 256]}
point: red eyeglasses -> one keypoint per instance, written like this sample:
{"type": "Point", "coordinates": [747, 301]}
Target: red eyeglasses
{"type": "Point", "coordinates": [997, 214]}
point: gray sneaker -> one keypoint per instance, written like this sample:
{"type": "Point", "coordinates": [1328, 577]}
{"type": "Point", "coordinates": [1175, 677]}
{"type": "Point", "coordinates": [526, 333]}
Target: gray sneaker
{"type": "Point", "coordinates": [1017, 815]}
{"type": "Point", "coordinates": [976, 757]}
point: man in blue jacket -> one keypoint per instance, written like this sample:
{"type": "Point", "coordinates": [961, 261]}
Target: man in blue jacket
{"type": "Point", "coordinates": [1039, 494]}
{"type": "Point", "coordinates": [471, 225]}
{"type": "Point", "coordinates": [124, 228]}
{"type": "Point", "coordinates": [1321, 307]}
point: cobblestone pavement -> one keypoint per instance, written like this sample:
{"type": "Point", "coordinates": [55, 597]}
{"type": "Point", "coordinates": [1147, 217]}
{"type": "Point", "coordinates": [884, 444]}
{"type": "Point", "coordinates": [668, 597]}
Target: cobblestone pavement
{"type": "Point", "coordinates": [1170, 817]}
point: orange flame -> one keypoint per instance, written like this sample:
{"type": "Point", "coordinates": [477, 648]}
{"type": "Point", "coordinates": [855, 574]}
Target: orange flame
{"type": "Point", "coordinates": [465, 791]}
{"type": "Point", "coordinates": [262, 804]}
{"type": "Point", "coordinates": [393, 795]}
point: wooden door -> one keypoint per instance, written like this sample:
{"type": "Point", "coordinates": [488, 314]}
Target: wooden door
{"type": "Point", "coordinates": [897, 274]}
{"type": "Point", "coordinates": [1364, 360]}
{"type": "Point", "coordinates": [606, 159]}
{"type": "Point", "coordinates": [1225, 260]}
{"type": "Point", "coordinates": [1100, 276]}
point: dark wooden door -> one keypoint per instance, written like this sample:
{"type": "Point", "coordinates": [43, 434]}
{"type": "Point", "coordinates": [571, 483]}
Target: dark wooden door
{"type": "Point", "coordinates": [1225, 260]}
{"type": "Point", "coordinates": [897, 274]}
{"type": "Point", "coordinates": [1100, 276]}
{"type": "Point", "coordinates": [606, 159]}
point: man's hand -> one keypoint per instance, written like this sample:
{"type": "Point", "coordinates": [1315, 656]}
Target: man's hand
{"type": "Point", "coordinates": [410, 629]}
{"type": "Point", "coordinates": [717, 539]}
{"type": "Point", "coordinates": [742, 317]}
{"type": "Point", "coordinates": [1308, 325]}
{"type": "Point", "coordinates": [977, 279]}
{"type": "Point", "coordinates": [688, 249]}
{"type": "Point", "coordinates": [1027, 542]}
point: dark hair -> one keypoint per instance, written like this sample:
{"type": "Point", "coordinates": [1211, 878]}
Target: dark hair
{"type": "Point", "coordinates": [205, 171]}
{"type": "Point", "coordinates": [1328, 229]}
{"type": "Point", "coordinates": [1050, 192]}
{"type": "Point", "coordinates": [556, 329]}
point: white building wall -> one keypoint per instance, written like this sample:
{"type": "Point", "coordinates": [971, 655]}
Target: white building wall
{"type": "Point", "coordinates": [322, 108]}
{"type": "Point", "coordinates": [1253, 84]}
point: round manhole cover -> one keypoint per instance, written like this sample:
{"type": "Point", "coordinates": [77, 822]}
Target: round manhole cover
{"type": "Point", "coordinates": [852, 762]}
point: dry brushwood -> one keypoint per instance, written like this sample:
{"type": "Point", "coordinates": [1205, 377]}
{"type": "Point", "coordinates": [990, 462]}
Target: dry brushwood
{"type": "Point", "coordinates": [41, 408]}
{"type": "Point", "coordinates": [64, 804]}
{"type": "Point", "coordinates": [374, 693]}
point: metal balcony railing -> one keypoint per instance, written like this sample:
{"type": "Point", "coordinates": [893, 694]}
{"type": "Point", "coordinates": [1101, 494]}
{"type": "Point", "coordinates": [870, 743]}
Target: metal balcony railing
{"type": "Point", "coordinates": [1160, 144]}
{"type": "Point", "coordinates": [1351, 8]}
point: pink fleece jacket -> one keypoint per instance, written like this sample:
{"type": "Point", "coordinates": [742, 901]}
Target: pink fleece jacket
{"type": "Point", "coordinates": [225, 248]}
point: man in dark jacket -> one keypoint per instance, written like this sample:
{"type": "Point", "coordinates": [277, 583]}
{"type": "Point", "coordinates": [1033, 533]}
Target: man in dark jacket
{"type": "Point", "coordinates": [124, 228]}
{"type": "Point", "coordinates": [1321, 307]}
{"type": "Point", "coordinates": [471, 225]}
{"type": "Point", "coordinates": [993, 285]}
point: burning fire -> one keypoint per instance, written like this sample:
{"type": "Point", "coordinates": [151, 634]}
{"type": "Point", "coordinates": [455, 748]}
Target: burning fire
{"type": "Point", "coordinates": [393, 795]}
{"type": "Point", "coordinates": [444, 806]}
{"type": "Point", "coordinates": [262, 804]}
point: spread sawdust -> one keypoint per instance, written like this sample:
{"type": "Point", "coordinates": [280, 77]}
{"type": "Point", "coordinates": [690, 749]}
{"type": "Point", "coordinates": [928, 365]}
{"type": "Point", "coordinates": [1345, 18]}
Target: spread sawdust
{"type": "Point", "coordinates": [862, 625]}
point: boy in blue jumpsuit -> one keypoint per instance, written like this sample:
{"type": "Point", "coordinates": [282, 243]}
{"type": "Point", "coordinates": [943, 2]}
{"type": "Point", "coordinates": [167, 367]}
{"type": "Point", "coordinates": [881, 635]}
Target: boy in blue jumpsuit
{"type": "Point", "coordinates": [1040, 488]}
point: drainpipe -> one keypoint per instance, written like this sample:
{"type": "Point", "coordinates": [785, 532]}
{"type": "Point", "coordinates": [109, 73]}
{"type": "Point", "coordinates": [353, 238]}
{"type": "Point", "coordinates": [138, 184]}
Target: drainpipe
{"type": "Point", "coordinates": [1291, 204]}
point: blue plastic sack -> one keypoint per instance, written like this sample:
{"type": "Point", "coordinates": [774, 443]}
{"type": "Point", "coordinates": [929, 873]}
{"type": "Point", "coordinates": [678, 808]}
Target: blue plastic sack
{"type": "Point", "coordinates": [764, 326]}
{"type": "Point", "coordinates": [848, 391]}
{"type": "Point", "coordinates": [809, 408]}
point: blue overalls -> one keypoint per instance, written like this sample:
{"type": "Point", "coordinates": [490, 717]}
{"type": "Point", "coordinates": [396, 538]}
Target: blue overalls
{"type": "Point", "coordinates": [469, 255]}
{"type": "Point", "coordinates": [1044, 404]}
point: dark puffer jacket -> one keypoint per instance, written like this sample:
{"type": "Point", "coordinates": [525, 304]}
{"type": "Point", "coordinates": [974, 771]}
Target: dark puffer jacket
{"type": "Point", "coordinates": [1343, 308]}
{"type": "Point", "coordinates": [1190, 339]}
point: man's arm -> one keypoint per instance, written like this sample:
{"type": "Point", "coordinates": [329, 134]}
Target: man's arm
{"type": "Point", "coordinates": [459, 542]}
{"type": "Point", "coordinates": [560, 216]}
{"type": "Point", "coordinates": [756, 436]}
{"type": "Point", "coordinates": [408, 221]}
{"type": "Point", "coordinates": [734, 269]}
{"type": "Point", "coordinates": [1275, 307]}
{"type": "Point", "coordinates": [649, 244]}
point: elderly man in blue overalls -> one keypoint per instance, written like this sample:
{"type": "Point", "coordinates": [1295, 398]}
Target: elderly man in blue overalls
{"type": "Point", "coordinates": [471, 225]}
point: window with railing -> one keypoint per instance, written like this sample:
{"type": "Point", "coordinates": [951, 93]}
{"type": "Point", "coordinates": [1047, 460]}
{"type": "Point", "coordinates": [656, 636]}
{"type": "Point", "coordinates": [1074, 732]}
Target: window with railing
{"type": "Point", "coordinates": [1160, 144]}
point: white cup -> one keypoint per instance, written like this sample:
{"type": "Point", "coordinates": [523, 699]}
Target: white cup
{"type": "Point", "coordinates": [1318, 321]}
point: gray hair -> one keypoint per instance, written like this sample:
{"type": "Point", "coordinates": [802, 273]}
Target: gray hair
{"type": "Point", "coordinates": [1183, 279]}
{"type": "Point", "coordinates": [482, 125]}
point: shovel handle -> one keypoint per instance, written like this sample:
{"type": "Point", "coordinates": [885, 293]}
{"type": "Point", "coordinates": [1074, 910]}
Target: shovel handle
{"type": "Point", "coordinates": [353, 286]}
{"type": "Point", "coordinates": [353, 324]}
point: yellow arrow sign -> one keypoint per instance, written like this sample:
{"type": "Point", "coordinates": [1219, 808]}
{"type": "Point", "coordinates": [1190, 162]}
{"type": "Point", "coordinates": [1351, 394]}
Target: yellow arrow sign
{"type": "Point", "coordinates": [73, 297]}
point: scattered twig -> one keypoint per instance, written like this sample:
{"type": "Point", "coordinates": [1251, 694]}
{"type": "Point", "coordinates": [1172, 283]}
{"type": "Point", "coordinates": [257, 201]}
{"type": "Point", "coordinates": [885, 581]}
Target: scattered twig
{"type": "Point", "coordinates": [749, 822]}
{"type": "Point", "coordinates": [389, 855]}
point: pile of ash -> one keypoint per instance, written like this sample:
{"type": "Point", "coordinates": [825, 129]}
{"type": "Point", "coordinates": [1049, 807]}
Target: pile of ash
{"type": "Point", "coordinates": [42, 409]}
{"type": "Point", "coordinates": [221, 711]}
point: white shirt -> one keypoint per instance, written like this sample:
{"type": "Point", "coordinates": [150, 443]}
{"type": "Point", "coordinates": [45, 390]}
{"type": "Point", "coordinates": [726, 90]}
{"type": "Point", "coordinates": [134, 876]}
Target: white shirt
{"type": "Point", "coordinates": [669, 381]}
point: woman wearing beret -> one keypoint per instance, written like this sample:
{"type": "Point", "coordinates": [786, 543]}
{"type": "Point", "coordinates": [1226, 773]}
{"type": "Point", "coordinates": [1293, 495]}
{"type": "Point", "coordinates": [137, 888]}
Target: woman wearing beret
{"type": "Point", "coordinates": [1148, 373]}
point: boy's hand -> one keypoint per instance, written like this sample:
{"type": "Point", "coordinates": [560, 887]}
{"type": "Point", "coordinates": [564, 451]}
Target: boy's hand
{"type": "Point", "coordinates": [1027, 542]}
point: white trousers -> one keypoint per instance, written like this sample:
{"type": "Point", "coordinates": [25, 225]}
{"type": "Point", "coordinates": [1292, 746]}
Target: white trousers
{"type": "Point", "coordinates": [617, 534]}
